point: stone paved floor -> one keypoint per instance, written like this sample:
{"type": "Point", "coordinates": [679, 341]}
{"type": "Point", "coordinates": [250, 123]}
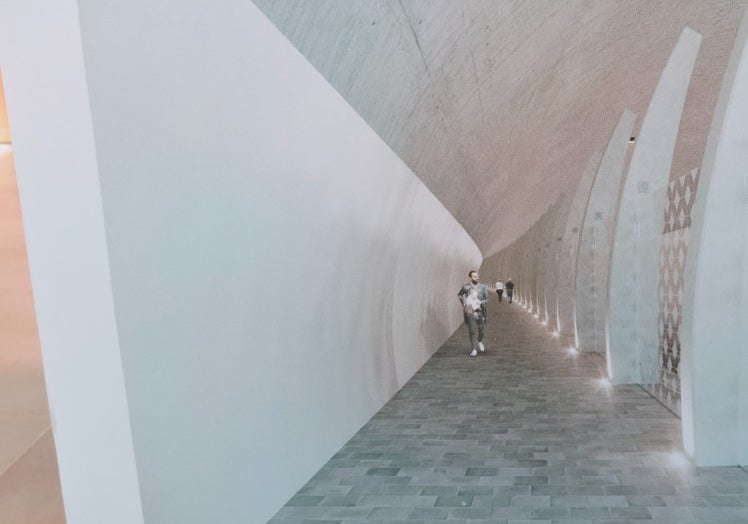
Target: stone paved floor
{"type": "Point", "coordinates": [525, 432]}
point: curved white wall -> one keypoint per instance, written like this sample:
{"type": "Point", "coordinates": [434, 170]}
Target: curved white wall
{"type": "Point", "coordinates": [277, 272]}
{"type": "Point", "coordinates": [714, 365]}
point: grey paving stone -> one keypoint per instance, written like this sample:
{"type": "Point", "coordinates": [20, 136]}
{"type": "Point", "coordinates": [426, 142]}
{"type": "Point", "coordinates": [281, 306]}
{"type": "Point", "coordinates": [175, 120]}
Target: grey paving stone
{"type": "Point", "coordinates": [428, 513]}
{"type": "Point", "coordinates": [585, 490]}
{"type": "Point", "coordinates": [476, 490]}
{"type": "Point", "coordinates": [549, 490]}
{"type": "Point", "coordinates": [531, 501]}
{"type": "Point", "coordinates": [305, 500]}
{"type": "Point", "coordinates": [530, 481]}
{"type": "Point", "coordinates": [383, 472]}
{"type": "Point", "coordinates": [645, 500]}
{"type": "Point", "coordinates": [454, 501]}
{"type": "Point", "coordinates": [510, 513]}
{"type": "Point", "coordinates": [520, 434]}
{"type": "Point", "coordinates": [439, 490]}
{"type": "Point", "coordinates": [550, 513]}
{"type": "Point", "coordinates": [568, 501]}
{"type": "Point", "coordinates": [492, 501]}
{"type": "Point", "coordinates": [590, 513]}
{"type": "Point", "coordinates": [610, 501]}
{"type": "Point", "coordinates": [340, 500]}
{"type": "Point", "coordinates": [631, 513]}
{"type": "Point", "coordinates": [622, 490]}
{"type": "Point", "coordinates": [388, 513]}
{"type": "Point", "coordinates": [680, 514]}
{"type": "Point", "coordinates": [470, 513]}
{"type": "Point", "coordinates": [396, 501]}
{"type": "Point", "coordinates": [481, 472]}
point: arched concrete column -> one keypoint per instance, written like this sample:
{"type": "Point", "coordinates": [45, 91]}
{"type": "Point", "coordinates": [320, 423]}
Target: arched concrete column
{"type": "Point", "coordinates": [569, 247]}
{"type": "Point", "coordinates": [528, 270]}
{"type": "Point", "coordinates": [549, 253]}
{"type": "Point", "coordinates": [631, 330]}
{"type": "Point", "coordinates": [593, 258]}
{"type": "Point", "coordinates": [555, 285]}
{"type": "Point", "coordinates": [714, 365]}
{"type": "Point", "coordinates": [560, 284]}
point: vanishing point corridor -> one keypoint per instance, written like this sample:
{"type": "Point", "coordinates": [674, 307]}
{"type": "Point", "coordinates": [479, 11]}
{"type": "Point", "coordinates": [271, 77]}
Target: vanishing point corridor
{"type": "Point", "coordinates": [526, 431]}
{"type": "Point", "coordinates": [240, 228]}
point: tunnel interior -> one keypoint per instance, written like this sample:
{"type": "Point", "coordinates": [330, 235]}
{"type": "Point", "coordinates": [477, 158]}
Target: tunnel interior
{"type": "Point", "coordinates": [276, 202]}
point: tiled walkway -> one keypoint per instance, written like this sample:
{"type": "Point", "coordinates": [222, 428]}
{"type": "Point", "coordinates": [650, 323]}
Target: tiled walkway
{"type": "Point", "coordinates": [523, 432]}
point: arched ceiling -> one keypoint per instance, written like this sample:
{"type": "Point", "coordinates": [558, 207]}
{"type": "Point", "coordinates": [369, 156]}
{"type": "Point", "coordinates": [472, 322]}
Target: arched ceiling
{"type": "Point", "coordinates": [497, 105]}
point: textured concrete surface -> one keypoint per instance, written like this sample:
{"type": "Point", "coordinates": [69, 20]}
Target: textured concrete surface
{"type": "Point", "coordinates": [508, 97]}
{"type": "Point", "coordinates": [524, 432]}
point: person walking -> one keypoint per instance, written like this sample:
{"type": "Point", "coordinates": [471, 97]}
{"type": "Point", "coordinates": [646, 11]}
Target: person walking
{"type": "Point", "coordinates": [509, 286]}
{"type": "Point", "coordinates": [499, 289]}
{"type": "Point", "coordinates": [474, 299]}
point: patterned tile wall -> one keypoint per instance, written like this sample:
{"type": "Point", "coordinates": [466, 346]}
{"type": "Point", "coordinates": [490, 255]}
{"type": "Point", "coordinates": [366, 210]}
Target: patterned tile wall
{"type": "Point", "coordinates": [675, 237]}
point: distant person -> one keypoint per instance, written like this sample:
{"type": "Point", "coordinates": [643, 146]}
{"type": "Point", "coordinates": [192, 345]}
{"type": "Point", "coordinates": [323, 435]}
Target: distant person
{"type": "Point", "coordinates": [509, 286]}
{"type": "Point", "coordinates": [500, 289]}
{"type": "Point", "coordinates": [474, 298]}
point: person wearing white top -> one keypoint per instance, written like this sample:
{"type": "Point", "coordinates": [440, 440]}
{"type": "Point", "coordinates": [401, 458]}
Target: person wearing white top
{"type": "Point", "coordinates": [499, 289]}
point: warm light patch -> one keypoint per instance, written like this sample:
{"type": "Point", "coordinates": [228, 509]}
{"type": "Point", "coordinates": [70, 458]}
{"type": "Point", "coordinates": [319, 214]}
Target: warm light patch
{"type": "Point", "coordinates": [4, 127]}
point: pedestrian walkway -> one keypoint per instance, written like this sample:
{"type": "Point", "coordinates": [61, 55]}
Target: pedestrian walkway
{"type": "Point", "coordinates": [526, 431]}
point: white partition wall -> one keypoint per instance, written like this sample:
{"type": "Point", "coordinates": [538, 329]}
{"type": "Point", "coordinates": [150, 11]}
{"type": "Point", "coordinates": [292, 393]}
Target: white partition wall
{"type": "Point", "coordinates": [232, 271]}
{"type": "Point", "coordinates": [632, 328]}
{"type": "Point", "coordinates": [596, 238]}
{"type": "Point", "coordinates": [714, 365]}
{"type": "Point", "coordinates": [56, 167]}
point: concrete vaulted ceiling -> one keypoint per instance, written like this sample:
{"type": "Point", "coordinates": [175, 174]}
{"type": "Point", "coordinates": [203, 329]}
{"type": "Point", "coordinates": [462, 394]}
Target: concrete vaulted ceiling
{"type": "Point", "coordinates": [497, 105]}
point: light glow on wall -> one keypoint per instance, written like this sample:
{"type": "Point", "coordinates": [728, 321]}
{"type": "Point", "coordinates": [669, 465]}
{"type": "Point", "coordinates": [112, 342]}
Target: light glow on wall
{"type": "Point", "coordinates": [677, 459]}
{"type": "Point", "coordinates": [4, 127]}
